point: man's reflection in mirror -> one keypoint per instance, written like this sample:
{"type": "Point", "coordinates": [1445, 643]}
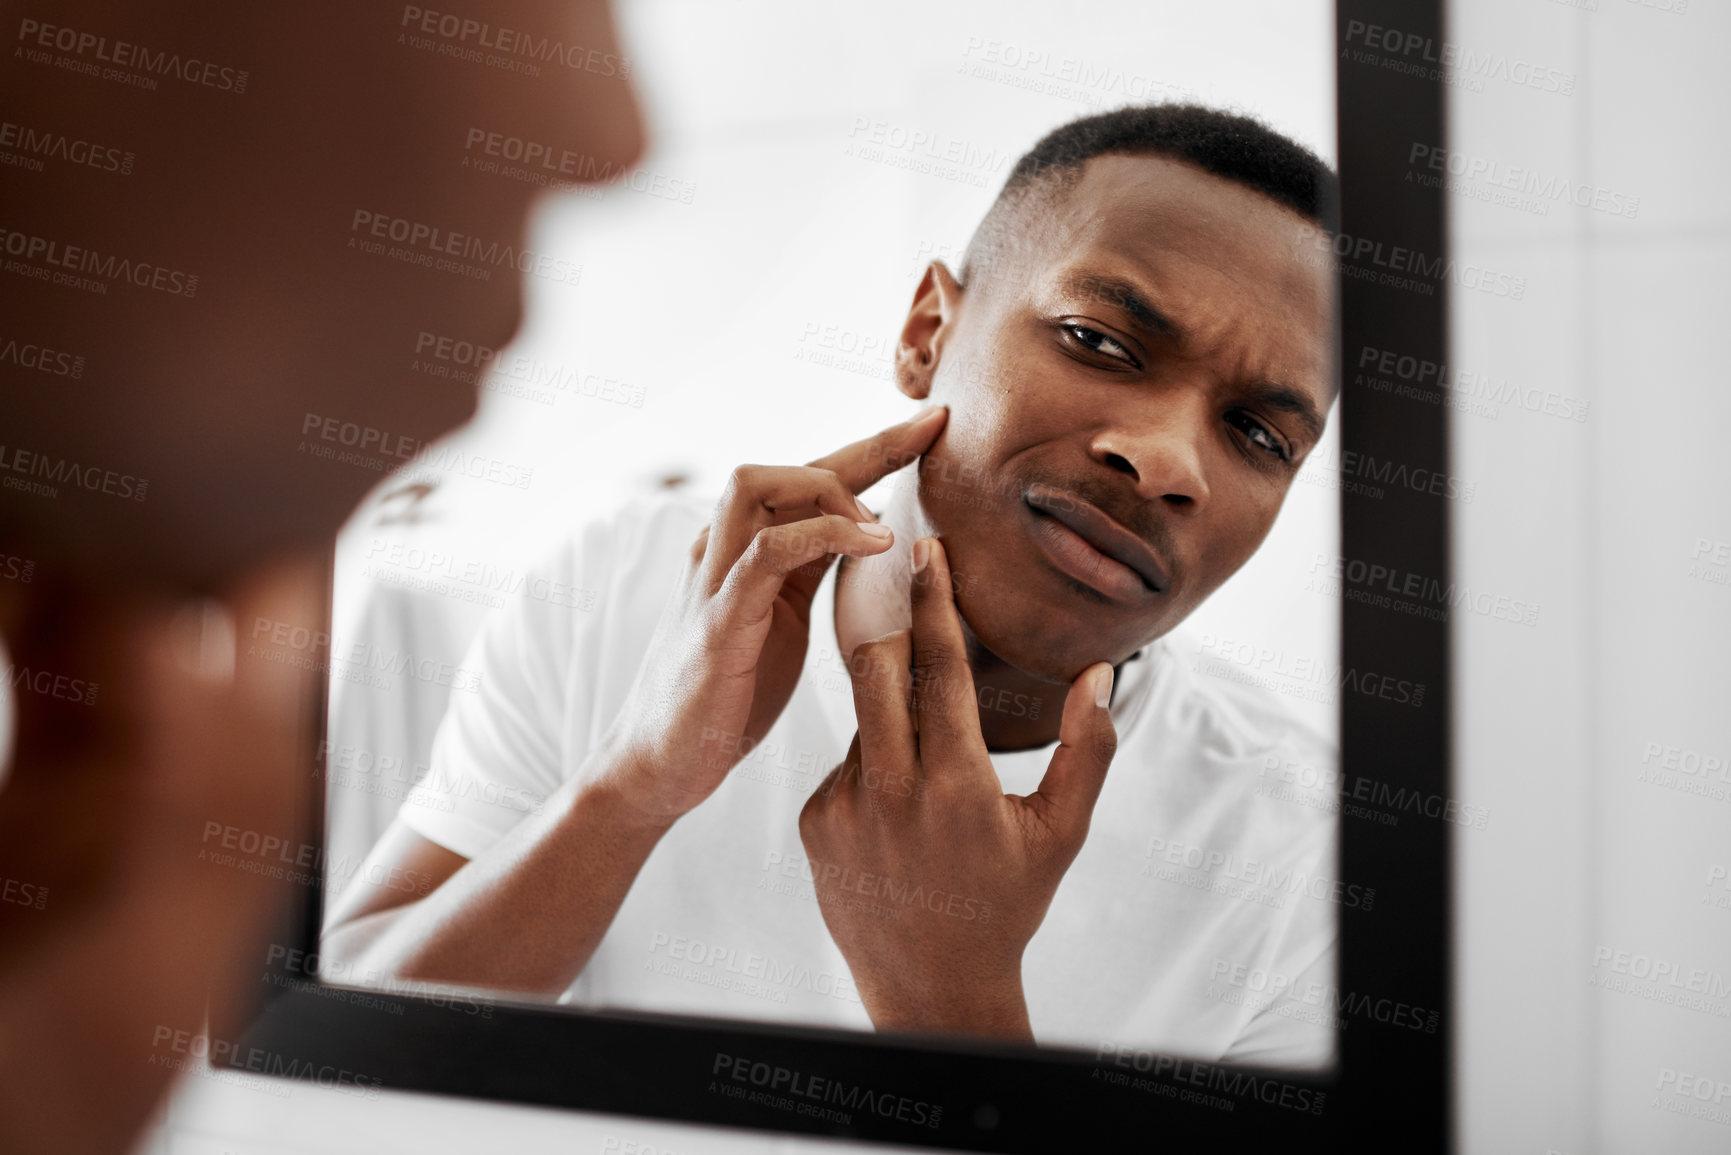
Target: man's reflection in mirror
{"type": "Point", "coordinates": [932, 768]}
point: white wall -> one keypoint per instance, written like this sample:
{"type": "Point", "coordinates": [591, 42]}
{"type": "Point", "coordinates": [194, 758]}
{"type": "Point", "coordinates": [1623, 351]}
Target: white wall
{"type": "Point", "coordinates": [1598, 521]}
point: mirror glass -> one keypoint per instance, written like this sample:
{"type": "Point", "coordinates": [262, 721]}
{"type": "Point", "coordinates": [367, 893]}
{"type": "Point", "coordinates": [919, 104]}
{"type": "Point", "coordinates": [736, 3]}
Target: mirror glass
{"type": "Point", "coordinates": [553, 771]}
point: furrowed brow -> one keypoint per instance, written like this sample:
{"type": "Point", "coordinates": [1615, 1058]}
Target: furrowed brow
{"type": "Point", "coordinates": [1127, 296]}
{"type": "Point", "coordinates": [1285, 399]}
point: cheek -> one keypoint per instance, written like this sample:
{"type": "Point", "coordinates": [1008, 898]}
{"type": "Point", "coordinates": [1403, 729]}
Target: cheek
{"type": "Point", "coordinates": [996, 411]}
{"type": "Point", "coordinates": [971, 438]}
{"type": "Point", "coordinates": [1241, 522]}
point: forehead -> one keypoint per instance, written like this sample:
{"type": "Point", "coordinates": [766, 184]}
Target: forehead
{"type": "Point", "coordinates": [1241, 276]}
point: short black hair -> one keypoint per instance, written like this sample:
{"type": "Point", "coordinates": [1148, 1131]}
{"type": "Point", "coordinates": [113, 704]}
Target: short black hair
{"type": "Point", "coordinates": [1238, 148]}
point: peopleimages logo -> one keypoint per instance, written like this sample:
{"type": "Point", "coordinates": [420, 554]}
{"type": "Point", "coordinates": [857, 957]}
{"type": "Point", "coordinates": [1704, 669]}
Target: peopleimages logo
{"type": "Point", "coordinates": [896, 893]}
{"type": "Point", "coordinates": [482, 42]}
{"type": "Point", "coordinates": [43, 474]}
{"type": "Point", "coordinates": [41, 359]}
{"type": "Point", "coordinates": [1233, 1081]}
{"type": "Point", "coordinates": [1422, 373]}
{"type": "Point", "coordinates": [1692, 980]}
{"type": "Point", "coordinates": [1425, 56]}
{"type": "Point", "coordinates": [1363, 258]}
{"type": "Point", "coordinates": [1037, 69]}
{"type": "Point", "coordinates": [437, 248]}
{"type": "Point", "coordinates": [222, 1052]}
{"type": "Point", "coordinates": [1403, 591]}
{"type": "Point", "coordinates": [541, 163]}
{"type": "Point", "coordinates": [34, 252]}
{"type": "Point", "coordinates": [49, 684]}
{"type": "Point", "coordinates": [399, 449]}
{"type": "Point", "coordinates": [1254, 873]}
{"type": "Point", "coordinates": [122, 54]}
{"type": "Point", "coordinates": [1298, 782]}
{"type": "Point", "coordinates": [1545, 188]}
{"type": "Point", "coordinates": [34, 144]}
{"type": "Point", "coordinates": [1256, 661]}
{"type": "Point", "coordinates": [1367, 467]}
{"type": "Point", "coordinates": [805, 1088]}
{"type": "Point", "coordinates": [1262, 988]}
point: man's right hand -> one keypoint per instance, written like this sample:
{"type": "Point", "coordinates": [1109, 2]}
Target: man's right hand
{"type": "Point", "coordinates": [729, 648]}
{"type": "Point", "coordinates": [726, 655]}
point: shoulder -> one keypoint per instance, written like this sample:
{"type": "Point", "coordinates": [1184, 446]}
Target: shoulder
{"type": "Point", "coordinates": [635, 548]}
{"type": "Point", "coordinates": [593, 578]}
{"type": "Point", "coordinates": [1235, 722]}
{"type": "Point", "coordinates": [643, 530]}
{"type": "Point", "coordinates": [1238, 762]}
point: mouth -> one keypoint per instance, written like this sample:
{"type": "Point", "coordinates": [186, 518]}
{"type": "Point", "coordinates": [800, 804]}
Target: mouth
{"type": "Point", "coordinates": [1087, 544]}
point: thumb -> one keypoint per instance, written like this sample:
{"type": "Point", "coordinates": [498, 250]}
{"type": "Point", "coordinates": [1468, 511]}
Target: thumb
{"type": "Point", "coordinates": [1086, 743]}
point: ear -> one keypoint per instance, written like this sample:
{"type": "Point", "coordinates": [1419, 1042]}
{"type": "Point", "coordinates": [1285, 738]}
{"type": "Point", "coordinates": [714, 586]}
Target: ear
{"type": "Point", "coordinates": [931, 318]}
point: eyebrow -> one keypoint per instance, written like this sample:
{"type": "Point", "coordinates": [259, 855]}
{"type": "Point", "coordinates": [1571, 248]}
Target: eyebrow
{"type": "Point", "coordinates": [1286, 399]}
{"type": "Point", "coordinates": [1128, 297]}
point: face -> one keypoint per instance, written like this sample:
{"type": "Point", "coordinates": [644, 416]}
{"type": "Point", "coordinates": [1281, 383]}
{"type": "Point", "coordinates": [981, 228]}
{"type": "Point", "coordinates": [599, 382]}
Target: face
{"type": "Point", "coordinates": [1132, 388]}
{"type": "Point", "coordinates": [312, 199]}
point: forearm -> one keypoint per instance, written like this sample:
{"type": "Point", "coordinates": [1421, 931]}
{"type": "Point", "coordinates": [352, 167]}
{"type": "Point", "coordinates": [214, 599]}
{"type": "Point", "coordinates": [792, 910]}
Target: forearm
{"type": "Point", "coordinates": [526, 915]}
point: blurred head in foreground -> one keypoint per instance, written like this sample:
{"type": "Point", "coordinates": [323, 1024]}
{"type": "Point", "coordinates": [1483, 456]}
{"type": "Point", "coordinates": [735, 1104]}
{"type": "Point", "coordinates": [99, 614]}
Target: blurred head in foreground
{"type": "Point", "coordinates": [226, 228]}
{"type": "Point", "coordinates": [225, 232]}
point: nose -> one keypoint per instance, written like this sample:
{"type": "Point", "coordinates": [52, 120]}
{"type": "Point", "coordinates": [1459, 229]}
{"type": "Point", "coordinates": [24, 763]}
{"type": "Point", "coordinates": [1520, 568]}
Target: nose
{"type": "Point", "coordinates": [599, 106]}
{"type": "Point", "coordinates": [1159, 447]}
{"type": "Point", "coordinates": [613, 120]}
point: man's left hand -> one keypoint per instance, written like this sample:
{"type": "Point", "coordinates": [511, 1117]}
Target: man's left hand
{"type": "Point", "coordinates": [930, 878]}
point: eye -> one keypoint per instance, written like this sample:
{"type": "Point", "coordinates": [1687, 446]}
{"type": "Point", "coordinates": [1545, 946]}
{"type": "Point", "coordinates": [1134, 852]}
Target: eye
{"type": "Point", "coordinates": [1097, 342]}
{"type": "Point", "coordinates": [1258, 434]}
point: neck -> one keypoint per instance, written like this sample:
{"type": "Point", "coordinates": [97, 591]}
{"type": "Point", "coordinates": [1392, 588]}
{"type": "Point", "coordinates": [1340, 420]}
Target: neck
{"type": "Point", "coordinates": [873, 598]}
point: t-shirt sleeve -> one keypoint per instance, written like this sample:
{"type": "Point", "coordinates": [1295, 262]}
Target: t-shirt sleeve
{"type": "Point", "coordinates": [499, 752]}
{"type": "Point", "coordinates": [1296, 1029]}
{"type": "Point", "coordinates": [552, 665]}
{"type": "Point", "coordinates": [1292, 1021]}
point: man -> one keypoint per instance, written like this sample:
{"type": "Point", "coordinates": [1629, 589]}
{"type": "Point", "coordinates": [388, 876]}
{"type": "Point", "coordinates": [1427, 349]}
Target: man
{"type": "Point", "coordinates": [1126, 376]}
{"type": "Point", "coordinates": [191, 207]}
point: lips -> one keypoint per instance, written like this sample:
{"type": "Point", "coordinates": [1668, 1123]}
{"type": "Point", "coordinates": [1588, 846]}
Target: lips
{"type": "Point", "coordinates": [1090, 546]}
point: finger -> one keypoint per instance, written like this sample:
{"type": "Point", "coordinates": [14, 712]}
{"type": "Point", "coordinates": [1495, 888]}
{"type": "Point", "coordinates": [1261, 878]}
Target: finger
{"type": "Point", "coordinates": [882, 691]}
{"type": "Point", "coordinates": [946, 711]}
{"type": "Point", "coordinates": [864, 463]}
{"type": "Point", "coordinates": [1086, 742]}
{"type": "Point", "coordinates": [762, 495]}
{"type": "Point", "coordinates": [838, 781]}
{"type": "Point", "coordinates": [747, 595]}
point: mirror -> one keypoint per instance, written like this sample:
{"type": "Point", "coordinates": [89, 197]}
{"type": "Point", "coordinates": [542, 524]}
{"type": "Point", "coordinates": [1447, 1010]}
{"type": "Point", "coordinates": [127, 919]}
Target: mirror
{"type": "Point", "coordinates": [1133, 352]}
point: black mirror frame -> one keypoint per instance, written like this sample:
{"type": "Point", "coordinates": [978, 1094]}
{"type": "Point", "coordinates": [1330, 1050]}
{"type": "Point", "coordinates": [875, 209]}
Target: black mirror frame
{"type": "Point", "coordinates": [1391, 1087]}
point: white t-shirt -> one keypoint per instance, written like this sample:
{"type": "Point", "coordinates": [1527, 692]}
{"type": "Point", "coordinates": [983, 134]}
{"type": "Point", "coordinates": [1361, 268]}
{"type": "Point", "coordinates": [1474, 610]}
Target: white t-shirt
{"type": "Point", "coordinates": [1206, 883]}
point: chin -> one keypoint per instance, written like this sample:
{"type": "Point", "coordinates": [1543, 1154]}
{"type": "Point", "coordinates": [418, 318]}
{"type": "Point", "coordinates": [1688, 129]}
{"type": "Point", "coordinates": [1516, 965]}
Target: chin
{"type": "Point", "coordinates": [1048, 651]}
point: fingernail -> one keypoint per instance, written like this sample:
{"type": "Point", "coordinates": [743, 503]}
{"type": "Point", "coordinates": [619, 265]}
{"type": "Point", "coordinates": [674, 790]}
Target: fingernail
{"type": "Point", "coordinates": [926, 412]}
{"type": "Point", "coordinates": [922, 553]}
{"type": "Point", "coordinates": [1103, 687]}
{"type": "Point", "coordinates": [864, 513]}
{"type": "Point", "coordinates": [873, 529]}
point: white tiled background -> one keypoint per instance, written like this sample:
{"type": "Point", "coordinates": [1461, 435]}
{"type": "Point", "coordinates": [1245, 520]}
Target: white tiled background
{"type": "Point", "coordinates": [1597, 521]}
